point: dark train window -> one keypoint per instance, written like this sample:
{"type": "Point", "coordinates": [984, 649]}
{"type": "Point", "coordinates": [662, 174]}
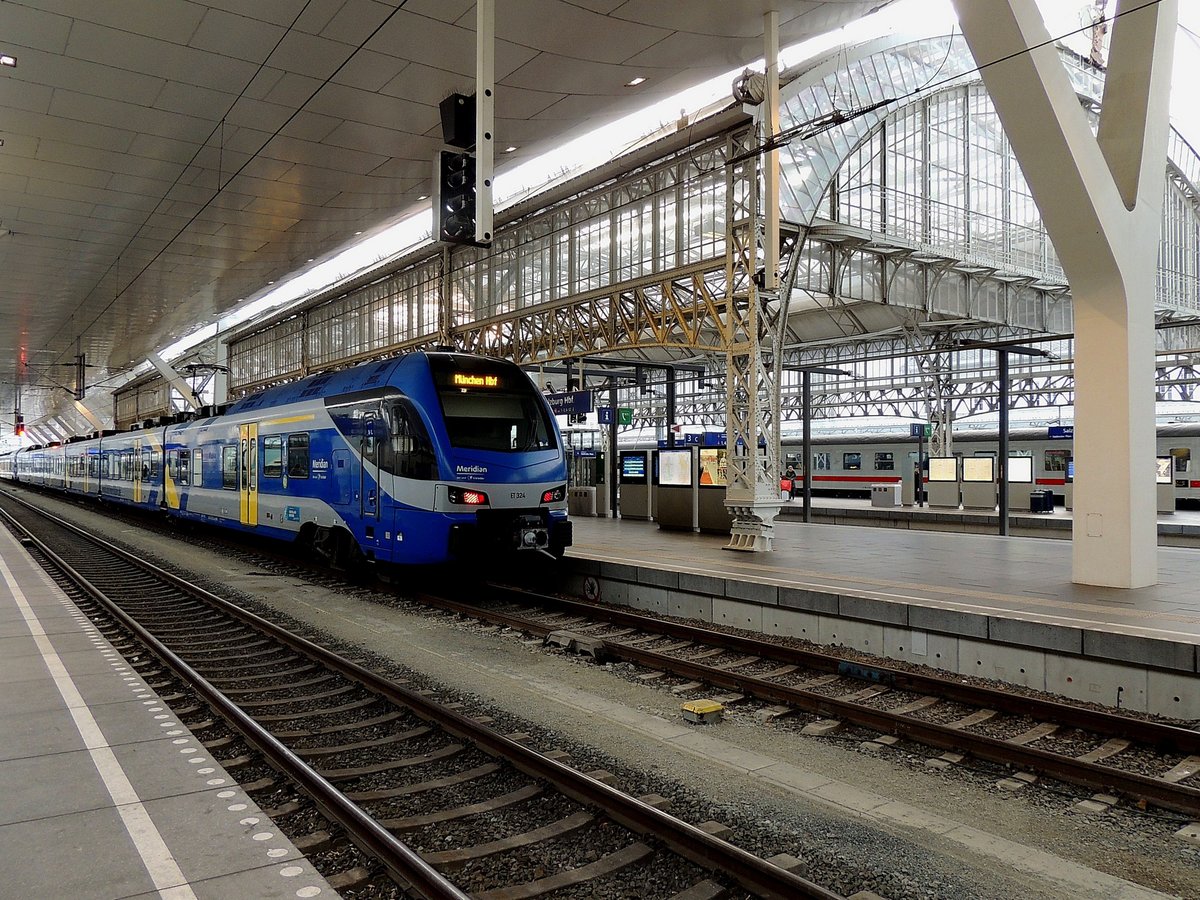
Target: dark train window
{"type": "Point", "coordinates": [821, 462]}
{"type": "Point", "coordinates": [185, 467]}
{"type": "Point", "coordinates": [297, 455]}
{"type": "Point", "coordinates": [272, 456]}
{"type": "Point", "coordinates": [1183, 458]}
{"type": "Point", "coordinates": [851, 461]}
{"type": "Point", "coordinates": [1056, 460]}
{"type": "Point", "coordinates": [229, 468]}
{"type": "Point", "coordinates": [884, 462]}
{"type": "Point", "coordinates": [408, 451]}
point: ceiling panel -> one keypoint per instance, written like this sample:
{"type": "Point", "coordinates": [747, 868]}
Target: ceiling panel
{"type": "Point", "coordinates": [164, 159]}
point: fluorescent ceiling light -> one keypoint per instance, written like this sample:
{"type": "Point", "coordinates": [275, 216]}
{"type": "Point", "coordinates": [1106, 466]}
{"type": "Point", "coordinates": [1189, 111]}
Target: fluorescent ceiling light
{"type": "Point", "coordinates": [6, 60]}
{"type": "Point", "coordinates": [635, 81]}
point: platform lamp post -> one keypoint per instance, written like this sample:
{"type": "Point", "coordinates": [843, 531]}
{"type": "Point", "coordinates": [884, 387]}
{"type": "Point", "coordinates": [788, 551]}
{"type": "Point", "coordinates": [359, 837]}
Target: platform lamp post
{"type": "Point", "coordinates": [806, 373]}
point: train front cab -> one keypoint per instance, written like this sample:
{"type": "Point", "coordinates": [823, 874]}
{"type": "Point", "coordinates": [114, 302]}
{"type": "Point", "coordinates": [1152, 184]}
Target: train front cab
{"type": "Point", "coordinates": [504, 451]}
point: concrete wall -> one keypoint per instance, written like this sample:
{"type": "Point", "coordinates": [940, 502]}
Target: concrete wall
{"type": "Point", "coordinates": [1111, 669]}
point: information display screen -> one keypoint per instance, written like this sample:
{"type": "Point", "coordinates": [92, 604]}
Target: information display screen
{"type": "Point", "coordinates": [1020, 470]}
{"type": "Point", "coordinates": [633, 467]}
{"type": "Point", "coordinates": [675, 467]}
{"type": "Point", "coordinates": [979, 469]}
{"type": "Point", "coordinates": [1163, 473]}
{"type": "Point", "coordinates": [1070, 470]}
{"type": "Point", "coordinates": [943, 468]}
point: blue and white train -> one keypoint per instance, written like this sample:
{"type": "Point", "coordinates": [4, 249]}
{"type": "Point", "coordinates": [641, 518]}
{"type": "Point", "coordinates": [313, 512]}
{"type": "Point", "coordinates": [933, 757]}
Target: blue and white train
{"type": "Point", "coordinates": [419, 459]}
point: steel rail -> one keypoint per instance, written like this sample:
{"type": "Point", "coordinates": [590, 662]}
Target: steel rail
{"type": "Point", "coordinates": [402, 862]}
{"type": "Point", "coordinates": [750, 871]}
{"type": "Point", "coordinates": [1165, 794]}
{"type": "Point", "coordinates": [1156, 734]}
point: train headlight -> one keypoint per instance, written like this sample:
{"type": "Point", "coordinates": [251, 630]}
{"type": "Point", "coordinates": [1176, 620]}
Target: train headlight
{"type": "Point", "coordinates": [555, 494]}
{"type": "Point", "coordinates": [466, 497]}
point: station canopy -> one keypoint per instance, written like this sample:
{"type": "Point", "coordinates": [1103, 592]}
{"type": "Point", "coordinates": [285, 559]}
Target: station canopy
{"type": "Point", "coordinates": [162, 160]}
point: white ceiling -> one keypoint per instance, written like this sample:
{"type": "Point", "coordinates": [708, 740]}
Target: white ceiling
{"type": "Point", "coordinates": [163, 159]}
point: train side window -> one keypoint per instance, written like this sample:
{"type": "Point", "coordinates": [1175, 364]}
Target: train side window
{"type": "Point", "coordinates": [229, 467]}
{"type": "Point", "coordinates": [297, 455]}
{"type": "Point", "coordinates": [851, 461]}
{"type": "Point", "coordinates": [885, 462]}
{"type": "Point", "coordinates": [1056, 460]}
{"type": "Point", "coordinates": [272, 456]}
{"type": "Point", "coordinates": [173, 465]}
{"type": "Point", "coordinates": [1183, 458]}
{"type": "Point", "coordinates": [821, 462]}
{"type": "Point", "coordinates": [185, 467]}
{"type": "Point", "coordinates": [197, 468]}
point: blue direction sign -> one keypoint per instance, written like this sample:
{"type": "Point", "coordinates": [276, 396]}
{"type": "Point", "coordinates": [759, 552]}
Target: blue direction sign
{"type": "Point", "coordinates": [624, 415]}
{"type": "Point", "coordinates": [1062, 433]}
{"type": "Point", "coordinates": [570, 402]}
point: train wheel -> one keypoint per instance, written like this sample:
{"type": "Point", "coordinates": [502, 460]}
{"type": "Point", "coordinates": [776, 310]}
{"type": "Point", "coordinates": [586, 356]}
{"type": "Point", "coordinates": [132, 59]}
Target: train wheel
{"type": "Point", "coordinates": [325, 542]}
{"type": "Point", "coordinates": [339, 549]}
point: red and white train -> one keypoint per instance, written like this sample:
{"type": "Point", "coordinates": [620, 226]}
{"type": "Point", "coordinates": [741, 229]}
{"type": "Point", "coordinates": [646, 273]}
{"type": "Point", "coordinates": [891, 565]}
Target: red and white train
{"type": "Point", "coordinates": [847, 465]}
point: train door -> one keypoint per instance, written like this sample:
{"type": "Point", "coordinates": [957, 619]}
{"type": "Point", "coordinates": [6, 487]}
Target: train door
{"type": "Point", "coordinates": [248, 474]}
{"type": "Point", "coordinates": [137, 471]}
{"type": "Point", "coordinates": [368, 483]}
{"type": "Point", "coordinates": [341, 476]}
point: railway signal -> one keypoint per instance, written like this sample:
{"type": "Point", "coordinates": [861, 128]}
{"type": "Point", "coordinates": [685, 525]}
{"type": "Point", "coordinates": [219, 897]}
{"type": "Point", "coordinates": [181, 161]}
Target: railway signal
{"type": "Point", "coordinates": [456, 197]}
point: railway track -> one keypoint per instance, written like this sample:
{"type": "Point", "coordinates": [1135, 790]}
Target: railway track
{"type": "Point", "coordinates": [1141, 759]}
{"type": "Point", "coordinates": [443, 804]}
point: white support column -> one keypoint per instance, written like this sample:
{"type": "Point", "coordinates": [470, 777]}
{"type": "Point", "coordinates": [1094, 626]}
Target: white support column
{"type": "Point", "coordinates": [1101, 201]}
{"type": "Point", "coordinates": [175, 379]}
{"type": "Point", "coordinates": [49, 426]}
{"type": "Point", "coordinates": [89, 415]}
{"type": "Point", "coordinates": [64, 426]}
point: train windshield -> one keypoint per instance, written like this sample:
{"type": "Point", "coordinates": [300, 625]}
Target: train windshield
{"type": "Point", "coordinates": [491, 405]}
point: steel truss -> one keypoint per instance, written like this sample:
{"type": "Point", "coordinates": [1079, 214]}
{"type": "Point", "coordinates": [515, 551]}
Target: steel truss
{"type": "Point", "coordinates": [683, 311]}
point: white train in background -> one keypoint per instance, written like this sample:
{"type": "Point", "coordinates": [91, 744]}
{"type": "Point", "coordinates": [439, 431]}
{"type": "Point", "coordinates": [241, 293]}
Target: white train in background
{"type": "Point", "coordinates": [847, 465]}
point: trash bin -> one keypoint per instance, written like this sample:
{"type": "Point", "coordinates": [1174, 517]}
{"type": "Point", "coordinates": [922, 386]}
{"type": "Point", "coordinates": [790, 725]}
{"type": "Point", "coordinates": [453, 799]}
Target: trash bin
{"type": "Point", "coordinates": [885, 494]}
{"type": "Point", "coordinates": [1041, 501]}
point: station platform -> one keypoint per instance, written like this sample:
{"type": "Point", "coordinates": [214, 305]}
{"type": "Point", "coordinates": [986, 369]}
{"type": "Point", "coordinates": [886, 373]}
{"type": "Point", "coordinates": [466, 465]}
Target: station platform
{"type": "Point", "coordinates": [995, 607]}
{"type": "Point", "coordinates": [1178, 529]}
{"type": "Point", "coordinates": [103, 793]}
